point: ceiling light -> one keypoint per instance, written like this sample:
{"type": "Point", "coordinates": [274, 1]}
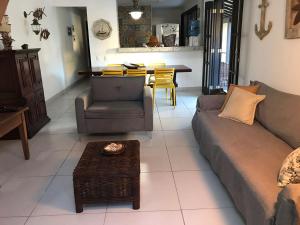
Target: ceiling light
{"type": "Point", "coordinates": [136, 13]}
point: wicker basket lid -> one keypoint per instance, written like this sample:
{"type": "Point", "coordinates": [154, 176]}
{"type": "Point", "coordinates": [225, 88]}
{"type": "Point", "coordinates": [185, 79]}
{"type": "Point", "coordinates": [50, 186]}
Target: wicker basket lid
{"type": "Point", "coordinates": [93, 162]}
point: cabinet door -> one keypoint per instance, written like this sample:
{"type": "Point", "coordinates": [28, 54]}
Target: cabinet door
{"type": "Point", "coordinates": [23, 69]}
{"type": "Point", "coordinates": [35, 71]}
{"type": "Point", "coordinates": [9, 86]}
{"type": "Point", "coordinates": [32, 115]}
{"type": "Point", "coordinates": [41, 105]}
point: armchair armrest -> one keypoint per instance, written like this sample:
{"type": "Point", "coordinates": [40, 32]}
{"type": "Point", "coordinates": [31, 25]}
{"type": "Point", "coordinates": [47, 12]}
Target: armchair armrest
{"type": "Point", "coordinates": [148, 108]}
{"type": "Point", "coordinates": [210, 102]}
{"type": "Point", "coordinates": [82, 102]}
{"type": "Point", "coordinates": [288, 206]}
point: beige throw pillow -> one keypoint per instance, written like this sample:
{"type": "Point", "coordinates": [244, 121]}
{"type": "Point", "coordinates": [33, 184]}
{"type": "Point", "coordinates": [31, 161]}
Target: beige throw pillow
{"type": "Point", "coordinates": [290, 170]}
{"type": "Point", "coordinates": [253, 89]}
{"type": "Point", "coordinates": [241, 106]}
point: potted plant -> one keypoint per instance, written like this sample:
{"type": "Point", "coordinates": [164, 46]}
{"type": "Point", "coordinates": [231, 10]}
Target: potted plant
{"type": "Point", "coordinates": [7, 40]}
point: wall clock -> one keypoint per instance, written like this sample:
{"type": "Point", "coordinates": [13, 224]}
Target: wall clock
{"type": "Point", "coordinates": [102, 29]}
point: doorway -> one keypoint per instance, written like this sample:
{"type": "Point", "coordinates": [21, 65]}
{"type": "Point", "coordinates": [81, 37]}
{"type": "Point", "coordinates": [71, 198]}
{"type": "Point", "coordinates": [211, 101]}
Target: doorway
{"type": "Point", "coordinates": [222, 40]}
{"type": "Point", "coordinates": [74, 41]}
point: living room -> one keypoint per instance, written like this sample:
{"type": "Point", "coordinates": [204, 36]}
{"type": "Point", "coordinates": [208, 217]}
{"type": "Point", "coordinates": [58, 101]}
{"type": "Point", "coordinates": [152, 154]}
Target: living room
{"type": "Point", "coordinates": [170, 144]}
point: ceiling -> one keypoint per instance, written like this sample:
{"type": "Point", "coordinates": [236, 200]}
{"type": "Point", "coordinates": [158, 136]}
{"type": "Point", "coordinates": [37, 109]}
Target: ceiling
{"type": "Point", "coordinates": [154, 3]}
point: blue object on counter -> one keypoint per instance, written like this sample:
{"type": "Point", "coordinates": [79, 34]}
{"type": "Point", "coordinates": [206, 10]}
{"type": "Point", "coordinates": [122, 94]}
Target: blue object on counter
{"type": "Point", "coordinates": [194, 28]}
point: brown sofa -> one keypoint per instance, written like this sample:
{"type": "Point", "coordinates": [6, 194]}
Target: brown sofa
{"type": "Point", "coordinates": [114, 105]}
{"type": "Point", "coordinates": [247, 159]}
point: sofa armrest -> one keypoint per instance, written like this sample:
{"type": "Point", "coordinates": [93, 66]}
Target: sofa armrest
{"type": "Point", "coordinates": [82, 102]}
{"type": "Point", "coordinates": [210, 102]}
{"type": "Point", "coordinates": [288, 206]}
{"type": "Point", "coordinates": [148, 108]}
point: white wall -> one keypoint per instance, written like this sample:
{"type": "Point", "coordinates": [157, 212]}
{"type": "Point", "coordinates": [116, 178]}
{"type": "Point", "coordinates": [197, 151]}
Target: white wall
{"type": "Point", "coordinates": [58, 61]}
{"type": "Point", "coordinates": [97, 9]}
{"type": "Point", "coordinates": [50, 54]}
{"type": "Point", "coordinates": [73, 51]}
{"type": "Point", "coordinates": [274, 60]}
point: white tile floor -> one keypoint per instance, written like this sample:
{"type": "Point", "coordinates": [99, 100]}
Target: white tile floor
{"type": "Point", "coordinates": [177, 184]}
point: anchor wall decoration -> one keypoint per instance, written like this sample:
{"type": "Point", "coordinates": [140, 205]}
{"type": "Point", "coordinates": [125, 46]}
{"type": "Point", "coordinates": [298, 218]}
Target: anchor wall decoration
{"type": "Point", "coordinates": [261, 32]}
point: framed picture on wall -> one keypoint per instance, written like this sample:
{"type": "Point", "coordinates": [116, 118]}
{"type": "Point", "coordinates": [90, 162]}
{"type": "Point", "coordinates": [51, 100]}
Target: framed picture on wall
{"type": "Point", "coordinates": [292, 27]}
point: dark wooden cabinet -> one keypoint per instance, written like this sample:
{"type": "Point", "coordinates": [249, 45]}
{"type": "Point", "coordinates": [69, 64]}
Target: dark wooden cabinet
{"type": "Point", "coordinates": [21, 85]}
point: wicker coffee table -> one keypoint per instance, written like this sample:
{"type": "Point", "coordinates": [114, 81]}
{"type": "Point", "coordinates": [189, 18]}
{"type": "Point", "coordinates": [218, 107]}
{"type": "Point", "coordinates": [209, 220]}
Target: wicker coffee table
{"type": "Point", "coordinates": [98, 178]}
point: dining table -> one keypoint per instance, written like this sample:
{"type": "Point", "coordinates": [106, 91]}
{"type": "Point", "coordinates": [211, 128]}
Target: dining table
{"type": "Point", "coordinates": [97, 71]}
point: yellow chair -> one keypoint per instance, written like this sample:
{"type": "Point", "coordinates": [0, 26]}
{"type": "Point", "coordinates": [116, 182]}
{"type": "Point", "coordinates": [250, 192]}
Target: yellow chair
{"type": "Point", "coordinates": [137, 72]}
{"type": "Point", "coordinates": [114, 65]}
{"type": "Point", "coordinates": [151, 78]}
{"type": "Point", "coordinates": [164, 79]}
{"type": "Point", "coordinates": [114, 72]}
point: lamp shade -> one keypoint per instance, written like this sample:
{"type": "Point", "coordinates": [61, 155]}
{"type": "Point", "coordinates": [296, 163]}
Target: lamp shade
{"type": "Point", "coordinates": [36, 26]}
{"type": "Point", "coordinates": [136, 14]}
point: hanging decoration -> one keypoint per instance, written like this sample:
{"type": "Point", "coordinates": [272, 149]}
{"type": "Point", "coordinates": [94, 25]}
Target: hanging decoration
{"type": "Point", "coordinates": [102, 29]}
{"type": "Point", "coordinates": [262, 32]}
{"type": "Point", "coordinates": [36, 26]}
{"type": "Point", "coordinates": [292, 24]}
{"type": "Point", "coordinates": [44, 34]}
{"type": "Point", "coordinates": [7, 40]}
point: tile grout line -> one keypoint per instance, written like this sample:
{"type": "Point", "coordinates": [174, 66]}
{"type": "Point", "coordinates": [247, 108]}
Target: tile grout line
{"type": "Point", "coordinates": [118, 212]}
{"type": "Point", "coordinates": [105, 215]}
{"type": "Point", "coordinates": [177, 193]}
{"type": "Point", "coordinates": [26, 221]}
{"type": "Point", "coordinates": [148, 172]}
{"type": "Point", "coordinates": [51, 182]}
{"type": "Point", "coordinates": [99, 213]}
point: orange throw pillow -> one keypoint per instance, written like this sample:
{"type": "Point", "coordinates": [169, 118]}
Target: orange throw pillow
{"type": "Point", "coordinates": [251, 89]}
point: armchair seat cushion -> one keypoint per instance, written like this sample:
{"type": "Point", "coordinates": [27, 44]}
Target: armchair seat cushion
{"type": "Point", "coordinates": [115, 109]}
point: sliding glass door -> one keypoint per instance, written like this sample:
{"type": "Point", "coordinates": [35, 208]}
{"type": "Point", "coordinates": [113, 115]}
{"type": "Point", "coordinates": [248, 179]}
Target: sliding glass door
{"type": "Point", "coordinates": [236, 34]}
{"type": "Point", "coordinates": [222, 36]}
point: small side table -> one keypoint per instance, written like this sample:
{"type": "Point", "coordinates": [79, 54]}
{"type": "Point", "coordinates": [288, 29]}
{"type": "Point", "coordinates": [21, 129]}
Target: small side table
{"type": "Point", "coordinates": [99, 178]}
{"type": "Point", "coordinates": [12, 120]}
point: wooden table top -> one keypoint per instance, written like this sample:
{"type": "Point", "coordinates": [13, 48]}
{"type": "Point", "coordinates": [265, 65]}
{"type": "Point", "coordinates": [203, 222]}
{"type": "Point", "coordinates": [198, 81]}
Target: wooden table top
{"type": "Point", "coordinates": [4, 117]}
{"type": "Point", "coordinates": [97, 71]}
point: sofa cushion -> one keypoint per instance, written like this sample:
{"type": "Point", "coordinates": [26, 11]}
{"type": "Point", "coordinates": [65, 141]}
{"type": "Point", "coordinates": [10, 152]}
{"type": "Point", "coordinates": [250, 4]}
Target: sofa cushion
{"type": "Point", "coordinates": [117, 88]}
{"type": "Point", "coordinates": [279, 113]}
{"type": "Point", "coordinates": [290, 169]}
{"type": "Point", "coordinates": [115, 109]}
{"type": "Point", "coordinates": [247, 159]}
{"type": "Point", "coordinates": [252, 89]}
{"type": "Point", "coordinates": [241, 106]}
